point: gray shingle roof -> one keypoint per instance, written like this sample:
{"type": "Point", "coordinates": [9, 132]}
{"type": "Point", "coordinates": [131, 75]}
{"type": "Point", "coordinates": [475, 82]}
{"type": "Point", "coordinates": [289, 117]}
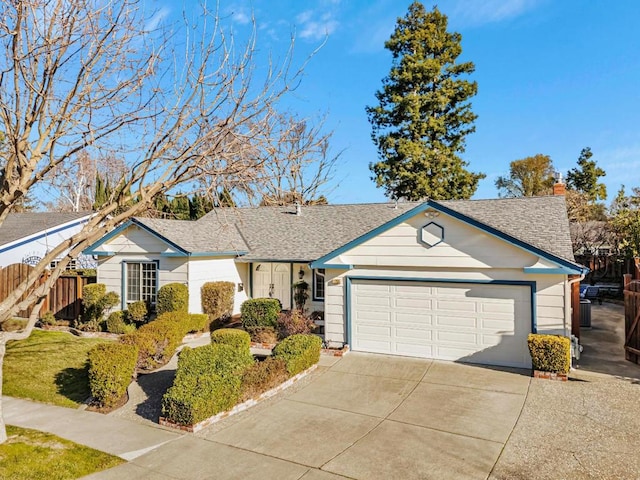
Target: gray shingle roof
{"type": "Point", "coordinates": [205, 235]}
{"type": "Point", "coordinates": [20, 225]}
{"type": "Point", "coordinates": [538, 221]}
{"type": "Point", "coordinates": [277, 233]}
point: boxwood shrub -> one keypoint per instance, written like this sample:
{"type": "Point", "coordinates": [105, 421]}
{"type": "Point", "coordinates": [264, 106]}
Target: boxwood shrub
{"type": "Point", "coordinates": [173, 297]}
{"type": "Point", "coordinates": [550, 353]}
{"type": "Point", "coordinates": [111, 368]}
{"type": "Point", "coordinates": [299, 352]}
{"type": "Point", "coordinates": [217, 299]}
{"type": "Point", "coordinates": [208, 381]}
{"type": "Point", "coordinates": [232, 336]}
{"type": "Point", "coordinates": [260, 312]}
{"type": "Point", "coordinates": [137, 311]}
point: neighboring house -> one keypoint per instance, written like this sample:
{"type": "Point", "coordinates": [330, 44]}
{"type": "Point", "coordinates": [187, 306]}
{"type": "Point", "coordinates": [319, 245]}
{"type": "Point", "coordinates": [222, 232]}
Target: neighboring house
{"type": "Point", "coordinates": [28, 237]}
{"type": "Point", "coordinates": [451, 280]}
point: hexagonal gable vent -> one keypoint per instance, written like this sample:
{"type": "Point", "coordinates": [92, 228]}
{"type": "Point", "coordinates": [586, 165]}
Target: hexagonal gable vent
{"type": "Point", "coordinates": [431, 234]}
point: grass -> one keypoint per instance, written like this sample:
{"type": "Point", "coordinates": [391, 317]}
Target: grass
{"type": "Point", "coordinates": [29, 454]}
{"type": "Point", "coordinates": [48, 367]}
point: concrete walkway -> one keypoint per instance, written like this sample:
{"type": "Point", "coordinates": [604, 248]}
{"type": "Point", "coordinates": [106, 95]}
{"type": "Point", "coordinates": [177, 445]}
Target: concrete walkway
{"type": "Point", "coordinates": [113, 435]}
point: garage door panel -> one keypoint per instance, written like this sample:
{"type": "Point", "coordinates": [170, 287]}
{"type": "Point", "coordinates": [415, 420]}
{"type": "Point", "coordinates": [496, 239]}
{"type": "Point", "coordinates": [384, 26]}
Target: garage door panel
{"type": "Point", "coordinates": [417, 319]}
{"type": "Point", "coordinates": [373, 316]}
{"type": "Point", "coordinates": [449, 337]}
{"type": "Point", "coordinates": [456, 306]}
{"type": "Point", "coordinates": [455, 321]}
{"type": "Point", "coordinates": [413, 350]}
{"type": "Point", "coordinates": [475, 323]}
{"type": "Point", "coordinates": [413, 302]}
{"type": "Point", "coordinates": [412, 334]}
{"type": "Point", "coordinates": [373, 301]}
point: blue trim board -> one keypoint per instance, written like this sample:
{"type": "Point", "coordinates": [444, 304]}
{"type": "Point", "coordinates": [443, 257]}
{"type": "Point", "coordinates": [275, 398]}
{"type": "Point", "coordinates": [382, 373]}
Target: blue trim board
{"type": "Point", "coordinates": [573, 268]}
{"type": "Point", "coordinates": [347, 294]}
{"type": "Point", "coordinates": [334, 266]}
{"type": "Point", "coordinates": [44, 234]}
{"type": "Point", "coordinates": [548, 271]}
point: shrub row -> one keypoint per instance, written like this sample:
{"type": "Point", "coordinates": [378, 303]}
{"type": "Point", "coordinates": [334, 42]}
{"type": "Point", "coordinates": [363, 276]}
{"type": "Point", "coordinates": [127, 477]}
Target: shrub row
{"type": "Point", "coordinates": [157, 341]}
{"type": "Point", "coordinates": [208, 381]}
{"type": "Point", "coordinates": [298, 352]}
{"type": "Point", "coordinates": [111, 368]}
{"type": "Point", "coordinates": [216, 377]}
{"type": "Point", "coordinates": [550, 353]}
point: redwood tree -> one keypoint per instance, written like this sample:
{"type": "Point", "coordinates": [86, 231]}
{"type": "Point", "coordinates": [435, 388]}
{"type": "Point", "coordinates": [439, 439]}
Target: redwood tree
{"type": "Point", "coordinates": [424, 112]}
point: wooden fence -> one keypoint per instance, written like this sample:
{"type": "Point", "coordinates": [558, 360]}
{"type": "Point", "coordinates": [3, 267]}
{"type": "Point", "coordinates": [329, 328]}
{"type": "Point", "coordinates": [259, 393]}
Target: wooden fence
{"type": "Point", "coordinates": [632, 320]}
{"type": "Point", "coordinates": [64, 299]}
{"type": "Point", "coordinates": [605, 268]}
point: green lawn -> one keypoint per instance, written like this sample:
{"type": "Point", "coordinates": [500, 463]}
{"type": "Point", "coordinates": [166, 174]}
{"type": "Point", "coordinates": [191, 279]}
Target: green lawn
{"type": "Point", "coordinates": [33, 455]}
{"type": "Point", "coordinates": [48, 367]}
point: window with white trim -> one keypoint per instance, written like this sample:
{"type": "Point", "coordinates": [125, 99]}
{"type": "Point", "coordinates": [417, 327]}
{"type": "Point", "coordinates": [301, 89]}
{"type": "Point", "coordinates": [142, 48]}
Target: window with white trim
{"type": "Point", "coordinates": [141, 282]}
{"type": "Point", "coordinates": [318, 284]}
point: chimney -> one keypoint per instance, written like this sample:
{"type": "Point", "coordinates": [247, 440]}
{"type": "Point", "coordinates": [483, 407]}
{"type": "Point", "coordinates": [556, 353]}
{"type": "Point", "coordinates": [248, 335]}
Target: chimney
{"type": "Point", "coordinates": [559, 186]}
{"type": "Point", "coordinates": [298, 209]}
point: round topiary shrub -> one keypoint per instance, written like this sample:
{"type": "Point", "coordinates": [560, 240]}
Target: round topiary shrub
{"type": "Point", "coordinates": [173, 297]}
{"type": "Point", "coordinates": [260, 312]}
{"type": "Point", "coordinates": [137, 311]}
{"type": "Point", "coordinates": [232, 336]}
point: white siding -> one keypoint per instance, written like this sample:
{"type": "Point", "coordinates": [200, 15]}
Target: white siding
{"type": "Point", "coordinates": [202, 270]}
{"type": "Point", "coordinates": [463, 246]}
{"type": "Point", "coordinates": [135, 240]}
{"type": "Point", "coordinates": [170, 270]}
{"type": "Point", "coordinates": [465, 253]}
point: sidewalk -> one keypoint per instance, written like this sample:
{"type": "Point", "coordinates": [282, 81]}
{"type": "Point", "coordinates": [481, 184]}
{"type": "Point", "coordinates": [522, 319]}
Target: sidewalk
{"type": "Point", "coordinates": [117, 436]}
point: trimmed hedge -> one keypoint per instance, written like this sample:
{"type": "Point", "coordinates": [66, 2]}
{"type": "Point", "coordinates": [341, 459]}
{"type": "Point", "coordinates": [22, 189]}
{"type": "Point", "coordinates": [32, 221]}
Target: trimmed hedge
{"type": "Point", "coordinates": [208, 381]}
{"type": "Point", "coordinates": [299, 352]}
{"type": "Point", "coordinates": [198, 322]}
{"type": "Point", "coordinates": [260, 312]}
{"type": "Point", "coordinates": [173, 297]}
{"type": "Point", "coordinates": [111, 368]}
{"type": "Point", "coordinates": [231, 336]}
{"type": "Point", "coordinates": [95, 300]}
{"type": "Point", "coordinates": [217, 299]}
{"type": "Point", "coordinates": [550, 353]}
{"type": "Point", "coordinates": [263, 376]}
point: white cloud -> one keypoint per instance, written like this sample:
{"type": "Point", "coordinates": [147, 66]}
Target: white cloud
{"type": "Point", "coordinates": [316, 24]}
{"type": "Point", "coordinates": [475, 13]}
{"type": "Point", "coordinates": [157, 18]}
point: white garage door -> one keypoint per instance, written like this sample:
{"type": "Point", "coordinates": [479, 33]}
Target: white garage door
{"type": "Point", "coordinates": [477, 323]}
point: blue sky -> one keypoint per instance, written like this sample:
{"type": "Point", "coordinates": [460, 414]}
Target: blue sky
{"type": "Point", "coordinates": [553, 77]}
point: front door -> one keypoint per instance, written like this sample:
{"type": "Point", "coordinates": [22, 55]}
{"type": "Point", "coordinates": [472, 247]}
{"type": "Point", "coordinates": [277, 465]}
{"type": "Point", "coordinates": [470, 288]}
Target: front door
{"type": "Point", "coordinates": [272, 280]}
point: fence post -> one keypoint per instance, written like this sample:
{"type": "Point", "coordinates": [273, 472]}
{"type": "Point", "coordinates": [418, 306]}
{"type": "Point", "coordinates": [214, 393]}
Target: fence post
{"type": "Point", "coordinates": [626, 280]}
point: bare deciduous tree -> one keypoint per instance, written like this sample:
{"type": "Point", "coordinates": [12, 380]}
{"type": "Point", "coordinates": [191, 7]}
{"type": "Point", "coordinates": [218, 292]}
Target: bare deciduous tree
{"type": "Point", "coordinates": [295, 164]}
{"type": "Point", "coordinates": [92, 76]}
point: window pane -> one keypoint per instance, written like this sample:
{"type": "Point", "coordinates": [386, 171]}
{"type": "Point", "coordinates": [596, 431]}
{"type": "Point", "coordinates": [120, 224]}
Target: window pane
{"type": "Point", "coordinates": [318, 284]}
{"type": "Point", "coordinates": [133, 282]}
{"type": "Point", "coordinates": [149, 283]}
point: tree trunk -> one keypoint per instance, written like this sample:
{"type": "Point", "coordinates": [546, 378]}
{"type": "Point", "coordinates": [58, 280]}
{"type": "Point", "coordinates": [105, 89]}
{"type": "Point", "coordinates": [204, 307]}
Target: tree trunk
{"type": "Point", "coordinates": [3, 428]}
{"type": "Point", "coordinates": [4, 338]}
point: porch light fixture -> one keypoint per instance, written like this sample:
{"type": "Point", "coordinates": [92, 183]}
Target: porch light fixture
{"type": "Point", "coordinates": [301, 273]}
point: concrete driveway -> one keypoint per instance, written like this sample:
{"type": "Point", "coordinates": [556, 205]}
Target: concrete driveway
{"type": "Point", "coordinates": [362, 417]}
